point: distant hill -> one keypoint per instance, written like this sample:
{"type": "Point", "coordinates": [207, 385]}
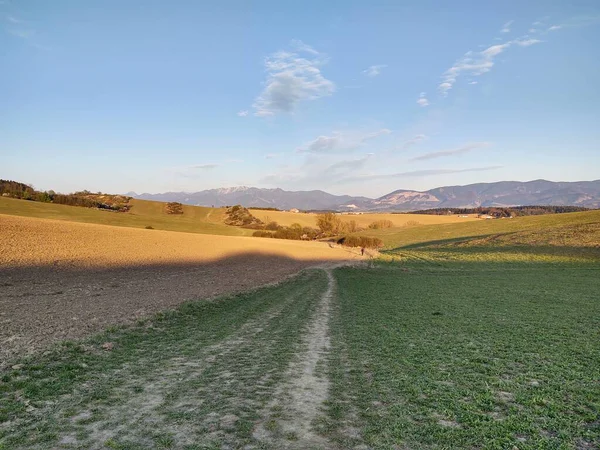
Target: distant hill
{"type": "Point", "coordinates": [503, 193]}
{"type": "Point", "coordinates": [268, 198]}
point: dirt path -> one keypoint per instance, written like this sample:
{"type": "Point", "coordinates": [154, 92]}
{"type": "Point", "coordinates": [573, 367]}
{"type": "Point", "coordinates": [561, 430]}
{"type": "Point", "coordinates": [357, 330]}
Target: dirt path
{"type": "Point", "coordinates": [246, 372]}
{"type": "Point", "coordinates": [298, 401]}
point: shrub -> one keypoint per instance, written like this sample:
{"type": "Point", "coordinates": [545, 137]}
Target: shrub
{"type": "Point", "coordinates": [263, 234]}
{"type": "Point", "coordinates": [360, 241]}
{"type": "Point", "coordinates": [273, 226]}
{"type": "Point", "coordinates": [381, 224]}
{"type": "Point", "coordinates": [239, 216]}
{"type": "Point", "coordinates": [330, 224]}
{"type": "Point", "coordinates": [412, 223]}
{"type": "Point", "coordinates": [149, 227]}
{"type": "Point", "coordinates": [174, 208]}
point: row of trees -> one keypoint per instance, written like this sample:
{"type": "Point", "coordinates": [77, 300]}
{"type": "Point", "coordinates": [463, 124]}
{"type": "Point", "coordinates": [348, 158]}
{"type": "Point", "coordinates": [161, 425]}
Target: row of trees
{"type": "Point", "coordinates": [329, 225]}
{"type": "Point", "coordinates": [502, 211]}
{"type": "Point", "coordinates": [14, 189]}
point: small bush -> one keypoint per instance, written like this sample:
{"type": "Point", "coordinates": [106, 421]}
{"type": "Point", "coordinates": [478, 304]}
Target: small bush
{"type": "Point", "coordinates": [360, 241]}
{"type": "Point", "coordinates": [412, 223]}
{"type": "Point", "coordinates": [272, 226]}
{"type": "Point", "coordinates": [381, 224]}
{"type": "Point", "coordinates": [240, 217]}
{"type": "Point", "coordinates": [174, 208]}
{"type": "Point", "coordinates": [262, 233]}
{"type": "Point", "coordinates": [149, 227]}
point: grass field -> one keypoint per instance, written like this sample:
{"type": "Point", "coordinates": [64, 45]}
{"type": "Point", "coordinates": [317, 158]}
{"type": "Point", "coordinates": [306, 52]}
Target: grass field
{"type": "Point", "coordinates": [143, 213]}
{"type": "Point", "coordinates": [363, 220]}
{"type": "Point", "coordinates": [482, 335]}
{"type": "Point", "coordinates": [394, 238]}
{"type": "Point", "coordinates": [479, 356]}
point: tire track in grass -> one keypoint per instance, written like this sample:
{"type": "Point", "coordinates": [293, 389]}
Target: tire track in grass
{"type": "Point", "coordinates": [175, 391]}
{"type": "Point", "coordinates": [298, 402]}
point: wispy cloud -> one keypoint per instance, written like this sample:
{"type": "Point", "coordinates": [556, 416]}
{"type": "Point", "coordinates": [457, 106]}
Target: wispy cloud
{"type": "Point", "coordinates": [417, 139]}
{"type": "Point", "coordinates": [506, 26]}
{"type": "Point", "coordinates": [414, 173]}
{"type": "Point", "coordinates": [204, 166]}
{"type": "Point", "coordinates": [292, 79]}
{"type": "Point", "coordinates": [300, 46]}
{"type": "Point", "coordinates": [555, 27]}
{"type": "Point", "coordinates": [422, 100]}
{"type": "Point", "coordinates": [233, 161]}
{"type": "Point", "coordinates": [272, 155]}
{"type": "Point", "coordinates": [340, 141]}
{"type": "Point", "coordinates": [373, 71]}
{"type": "Point", "coordinates": [478, 63]}
{"type": "Point", "coordinates": [242, 113]}
{"type": "Point", "coordinates": [457, 151]}
{"type": "Point", "coordinates": [313, 172]}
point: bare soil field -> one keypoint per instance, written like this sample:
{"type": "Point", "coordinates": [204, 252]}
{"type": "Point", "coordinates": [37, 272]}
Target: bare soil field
{"type": "Point", "coordinates": [363, 220]}
{"type": "Point", "coordinates": [61, 280]}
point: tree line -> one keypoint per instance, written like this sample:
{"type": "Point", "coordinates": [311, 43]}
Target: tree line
{"type": "Point", "coordinates": [87, 199]}
{"type": "Point", "coordinates": [503, 211]}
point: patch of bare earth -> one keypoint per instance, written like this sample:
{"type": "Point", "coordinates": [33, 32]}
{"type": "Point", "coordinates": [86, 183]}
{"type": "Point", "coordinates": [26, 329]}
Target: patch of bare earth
{"type": "Point", "coordinates": [297, 403]}
{"type": "Point", "coordinates": [166, 392]}
{"type": "Point", "coordinates": [187, 394]}
{"type": "Point", "coordinates": [64, 280]}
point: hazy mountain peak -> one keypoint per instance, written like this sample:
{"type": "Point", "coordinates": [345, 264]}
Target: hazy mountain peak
{"type": "Point", "coordinates": [502, 193]}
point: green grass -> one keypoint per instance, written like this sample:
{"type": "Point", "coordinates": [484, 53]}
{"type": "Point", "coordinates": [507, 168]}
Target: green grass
{"type": "Point", "coordinates": [474, 335]}
{"type": "Point", "coordinates": [195, 219]}
{"type": "Point", "coordinates": [402, 237]}
{"type": "Point", "coordinates": [477, 355]}
{"type": "Point", "coordinates": [197, 377]}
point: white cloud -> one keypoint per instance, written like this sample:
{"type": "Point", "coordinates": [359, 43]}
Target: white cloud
{"type": "Point", "coordinates": [13, 19]}
{"type": "Point", "coordinates": [375, 134]}
{"type": "Point", "coordinates": [526, 42]}
{"type": "Point", "coordinates": [414, 173]}
{"type": "Point", "coordinates": [506, 27]}
{"type": "Point", "coordinates": [204, 166]}
{"type": "Point", "coordinates": [373, 71]}
{"type": "Point", "coordinates": [555, 27]}
{"type": "Point", "coordinates": [473, 82]}
{"type": "Point", "coordinates": [478, 63]}
{"type": "Point", "coordinates": [291, 79]}
{"type": "Point", "coordinates": [340, 142]}
{"type": "Point", "coordinates": [300, 46]}
{"type": "Point", "coordinates": [422, 100]}
{"type": "Point", "coordinates": [242, 113]}
{"type": "Point", "coordinates": [413, 141]}
{"type": "Point", "coordinates": [315, 173]}
{"type": "Point", "coordinates": [457, 151]}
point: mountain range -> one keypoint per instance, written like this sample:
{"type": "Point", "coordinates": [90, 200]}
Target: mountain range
{"type": "Point", "coordinates": [502, 193]}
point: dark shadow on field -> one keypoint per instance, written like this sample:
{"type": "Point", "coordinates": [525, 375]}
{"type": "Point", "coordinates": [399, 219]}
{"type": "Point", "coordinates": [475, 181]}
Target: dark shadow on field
{"type": "Point", "coordinates": [40, 305]}
{"type": "Point", "coordinates": [439, 242]}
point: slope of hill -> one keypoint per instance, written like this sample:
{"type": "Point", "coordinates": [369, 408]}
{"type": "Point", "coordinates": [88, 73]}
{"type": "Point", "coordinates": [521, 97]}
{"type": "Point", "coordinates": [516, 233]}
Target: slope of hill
{"type": "Point", "coordinates": [251, 196]}
{"type": "Point", "coordinates": [450, 233]}
{"type": "Point", "coordinates": [141, 214]}
{"type": "Point", "coordinates": [503, 193]}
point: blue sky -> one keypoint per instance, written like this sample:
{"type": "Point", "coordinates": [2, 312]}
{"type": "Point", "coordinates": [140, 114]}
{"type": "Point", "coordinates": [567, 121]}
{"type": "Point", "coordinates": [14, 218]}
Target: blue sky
{"type": "Point", "coordinates": [349, 97]}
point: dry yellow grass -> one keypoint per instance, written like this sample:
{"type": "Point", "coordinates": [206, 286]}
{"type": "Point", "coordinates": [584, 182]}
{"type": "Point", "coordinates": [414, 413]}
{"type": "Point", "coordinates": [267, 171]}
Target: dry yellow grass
{"type": "Point", "coordinates": [363, 220]}
{"type": "Point", "coordinates": [26, 241]}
